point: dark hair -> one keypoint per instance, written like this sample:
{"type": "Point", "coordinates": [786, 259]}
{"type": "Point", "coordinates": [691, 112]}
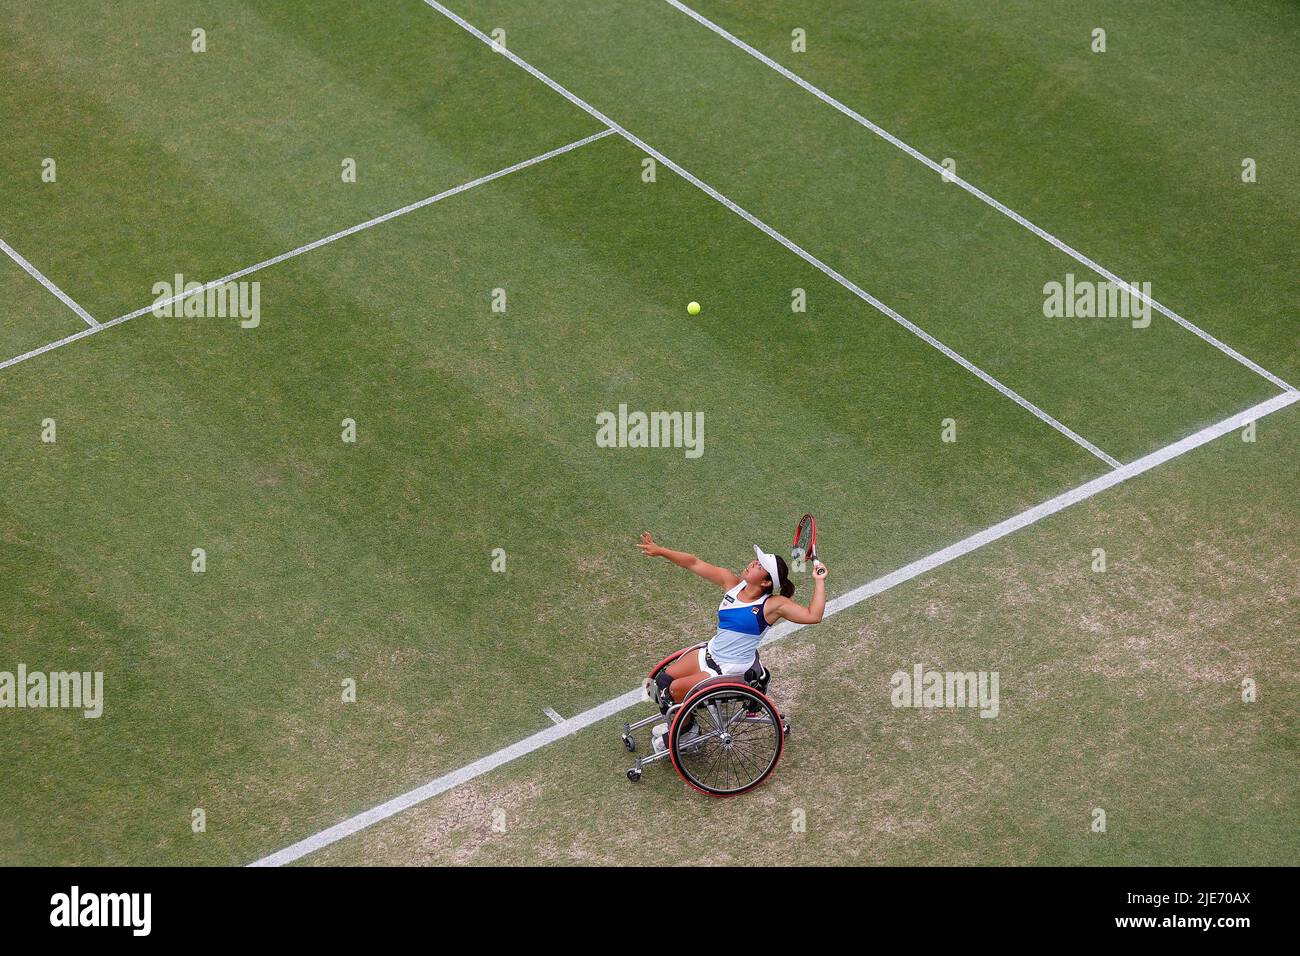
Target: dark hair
{"type": "Point", "coordinates": [787, 586]}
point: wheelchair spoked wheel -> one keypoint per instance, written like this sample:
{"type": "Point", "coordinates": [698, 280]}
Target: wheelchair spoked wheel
{"type": "Point", "coordinates": [726, 739]}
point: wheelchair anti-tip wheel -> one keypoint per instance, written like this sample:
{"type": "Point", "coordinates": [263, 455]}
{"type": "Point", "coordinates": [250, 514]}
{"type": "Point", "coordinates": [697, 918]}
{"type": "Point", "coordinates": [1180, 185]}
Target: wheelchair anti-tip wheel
{"type": "Point", "coordinates": [726, 738]}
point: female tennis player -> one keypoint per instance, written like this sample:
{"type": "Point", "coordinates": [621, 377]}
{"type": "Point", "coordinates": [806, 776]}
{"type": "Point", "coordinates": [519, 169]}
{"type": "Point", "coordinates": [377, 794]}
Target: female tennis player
{"type": "Point", "coordinates": [755, 599]}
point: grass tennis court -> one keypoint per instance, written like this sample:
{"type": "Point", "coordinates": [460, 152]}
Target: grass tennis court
{"type": "Point", "coordinates": [472, 342]}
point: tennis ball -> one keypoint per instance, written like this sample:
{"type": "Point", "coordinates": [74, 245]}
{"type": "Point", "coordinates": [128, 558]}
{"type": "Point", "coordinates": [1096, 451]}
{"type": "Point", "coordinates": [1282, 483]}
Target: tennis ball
{"type": "Point", "coordinates": [693, 308]}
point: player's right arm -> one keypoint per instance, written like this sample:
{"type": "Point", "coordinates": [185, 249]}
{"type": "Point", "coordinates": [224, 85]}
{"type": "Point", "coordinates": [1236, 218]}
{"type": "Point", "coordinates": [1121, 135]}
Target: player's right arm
{"type": "Point", "coordinates": [719, 576]}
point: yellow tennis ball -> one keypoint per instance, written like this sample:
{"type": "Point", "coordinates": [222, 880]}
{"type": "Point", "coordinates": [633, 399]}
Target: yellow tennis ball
{"type": "Point", "coordinates": [693, 308]}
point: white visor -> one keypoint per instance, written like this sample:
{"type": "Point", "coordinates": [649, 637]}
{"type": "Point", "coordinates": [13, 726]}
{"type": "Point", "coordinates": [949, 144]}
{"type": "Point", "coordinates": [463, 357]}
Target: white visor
{"type": "Point", "coordinates": [768, 561]}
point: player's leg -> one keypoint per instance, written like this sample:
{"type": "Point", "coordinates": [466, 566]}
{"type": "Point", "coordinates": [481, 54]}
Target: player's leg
{"type": "Point", "coordinates": [685, 672]}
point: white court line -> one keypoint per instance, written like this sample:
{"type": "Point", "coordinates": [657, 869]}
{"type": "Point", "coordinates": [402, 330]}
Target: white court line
{"type": "Point", "coordinates": [59, 294]}
{"type": "Point", "coordinates": [555, 717]}
{"type": "Point", "coordinates": [978, 193]}
{"type": "Point", "coordinates": [446, 194]}
{"type": "Point", "coordinates": [793, 247]}
{"type": "Point", "coordinates": [859, 594]}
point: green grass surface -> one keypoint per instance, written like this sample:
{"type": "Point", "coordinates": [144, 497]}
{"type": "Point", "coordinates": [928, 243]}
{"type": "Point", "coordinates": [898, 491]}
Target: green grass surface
{"type": "Point", "coordinates": [1132, 156]}
{"type": "Point", "coordinates": [945, 260]}
{"type": "Point", "coordinates": [1125, 697]}
{"type": "Point", "coordinates": [372, 561]}
{"type": "Point", "coordinates": [29, 315]}
{"type": "Point", "coordinates": [203, 163]}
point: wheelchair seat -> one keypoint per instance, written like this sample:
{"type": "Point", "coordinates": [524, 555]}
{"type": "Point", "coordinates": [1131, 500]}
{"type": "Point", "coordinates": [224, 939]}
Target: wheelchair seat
{"type": "Point", "coordinates": [731, 714]}
{"type": "Point", "coordinates": [757, 677]}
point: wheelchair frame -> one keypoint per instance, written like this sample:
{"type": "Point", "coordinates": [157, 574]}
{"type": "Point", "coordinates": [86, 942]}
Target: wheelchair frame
{"type": "Point", "coordinates": [710, 693]}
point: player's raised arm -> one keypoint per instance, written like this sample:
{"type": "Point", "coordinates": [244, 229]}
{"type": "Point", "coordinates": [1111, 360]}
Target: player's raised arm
{"type": "Point", "coordinates": [720, 576]}
{"type": "Point", "coordinates": [783, 607]}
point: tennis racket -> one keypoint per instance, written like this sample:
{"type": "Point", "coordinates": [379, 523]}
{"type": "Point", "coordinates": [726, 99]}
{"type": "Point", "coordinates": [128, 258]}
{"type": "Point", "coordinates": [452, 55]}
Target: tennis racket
{"type": "Point", "coordinates": [805, 543]}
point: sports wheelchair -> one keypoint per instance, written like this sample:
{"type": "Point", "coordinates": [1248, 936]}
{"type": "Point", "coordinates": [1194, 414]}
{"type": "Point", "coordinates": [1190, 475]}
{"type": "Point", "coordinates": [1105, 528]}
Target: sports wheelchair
{"type": "Point", "coordinates": [724, 739]}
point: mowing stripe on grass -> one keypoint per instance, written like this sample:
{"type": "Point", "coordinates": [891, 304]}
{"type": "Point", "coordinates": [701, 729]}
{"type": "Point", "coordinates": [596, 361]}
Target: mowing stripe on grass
{"type": "Point", "coordinates": [789, 244]}
{"type": "Point", "coordinates": [59, 294]}
{"type": "Point", "coordinates": [446, 194]}
{"type": "Point", "coordinates": [978, 193]}
{"type": "Point", "coordinates": [859, 594]}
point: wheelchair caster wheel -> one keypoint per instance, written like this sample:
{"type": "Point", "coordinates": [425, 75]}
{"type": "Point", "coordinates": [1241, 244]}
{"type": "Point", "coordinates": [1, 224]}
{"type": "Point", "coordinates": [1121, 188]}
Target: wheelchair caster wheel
{"type": "Point", "coordinates": [785, 727]}
{"type": "Point", "coordinates": [629, 743]}
{"type": "Point", "coordinates": [634, 774]}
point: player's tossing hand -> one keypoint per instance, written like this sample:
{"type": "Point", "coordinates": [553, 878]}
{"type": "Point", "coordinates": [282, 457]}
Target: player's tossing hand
{"type": "Point", "coordinates": [648, 546]}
